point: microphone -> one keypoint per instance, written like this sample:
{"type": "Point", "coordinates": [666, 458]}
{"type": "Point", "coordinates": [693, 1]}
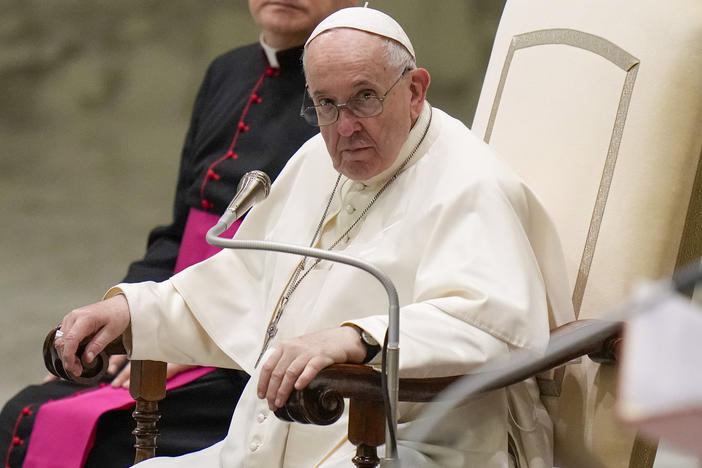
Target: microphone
{"type": "Point", "coordinates": [241, 203]}
{"type": "Point", "coordinates": [253, 187]}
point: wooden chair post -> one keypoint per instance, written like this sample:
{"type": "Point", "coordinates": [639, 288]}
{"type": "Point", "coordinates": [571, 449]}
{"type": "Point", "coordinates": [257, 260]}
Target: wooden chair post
{"type": "Point", "coordinates": [147, 386]}
{"type": "Point", "coordinates": [366, 430]}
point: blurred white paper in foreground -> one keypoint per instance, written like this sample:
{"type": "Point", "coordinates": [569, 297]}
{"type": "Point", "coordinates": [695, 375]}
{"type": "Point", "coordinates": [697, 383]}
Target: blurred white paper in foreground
{"type": "Point", "coordinates": [660, 375]}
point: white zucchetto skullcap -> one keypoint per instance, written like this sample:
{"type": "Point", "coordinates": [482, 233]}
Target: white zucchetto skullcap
{"type": "Point", "coordinates": [364, 19]}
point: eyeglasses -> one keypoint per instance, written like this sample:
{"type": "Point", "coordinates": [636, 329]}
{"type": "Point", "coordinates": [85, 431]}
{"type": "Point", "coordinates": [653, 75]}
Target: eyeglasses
{"type": "Point", "coordinates": [365, 104]}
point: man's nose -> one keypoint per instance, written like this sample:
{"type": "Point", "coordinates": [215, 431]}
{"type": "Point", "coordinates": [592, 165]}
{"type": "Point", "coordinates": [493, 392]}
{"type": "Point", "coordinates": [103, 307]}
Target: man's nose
{"type": "Point", "coordinates": [347, 123]}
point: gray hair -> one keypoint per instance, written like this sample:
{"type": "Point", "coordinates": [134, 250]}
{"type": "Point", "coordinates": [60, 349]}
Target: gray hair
{"type": "Point", "coordinates": [396, 55]}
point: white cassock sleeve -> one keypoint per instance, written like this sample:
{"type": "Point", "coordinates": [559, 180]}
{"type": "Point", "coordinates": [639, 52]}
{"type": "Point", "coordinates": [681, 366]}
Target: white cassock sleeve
{"type": "Point", "coordinates": [164, 329]}
{"type": "Point", "coordinates": [478, 289]}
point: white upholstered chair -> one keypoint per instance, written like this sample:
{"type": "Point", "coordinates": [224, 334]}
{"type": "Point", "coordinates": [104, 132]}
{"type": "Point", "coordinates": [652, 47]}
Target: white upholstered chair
{"type": "Point", "coordinates": [597, 104]}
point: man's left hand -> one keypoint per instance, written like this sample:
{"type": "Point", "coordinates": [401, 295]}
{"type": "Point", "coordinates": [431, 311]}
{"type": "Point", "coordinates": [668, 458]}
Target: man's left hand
{"type": "Point", "coordinates": [297, 361]}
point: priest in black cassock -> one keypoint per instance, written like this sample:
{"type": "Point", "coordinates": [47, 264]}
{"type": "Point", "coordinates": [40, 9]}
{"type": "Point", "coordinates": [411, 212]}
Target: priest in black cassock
{"type": "Point", "coordinates": [245, 117]}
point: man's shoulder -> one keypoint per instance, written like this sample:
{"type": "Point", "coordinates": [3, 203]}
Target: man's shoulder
{"type": "Point", "coordinates": [469, 159]}
{"type": "Point", "coordinates": [453, 135]}
{"type": "Point", "coordinates": [309, 160]}
{"type": "Point", "coordinates": [460, 145]}
{"type": "Point", "coordinates": [312, 151]}
{"type": "Point", "coordinates": [309, 168]}
{"type": "Point", "coordinates": [240, 57]}
{"type": "Point", "coordinates": [235, 69]}
{"type": "Point", "coordinates": [235, 62]}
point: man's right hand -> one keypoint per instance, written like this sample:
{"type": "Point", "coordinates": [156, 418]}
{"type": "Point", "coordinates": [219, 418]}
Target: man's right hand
{"type": "Point", "coordinates": [103, 321]}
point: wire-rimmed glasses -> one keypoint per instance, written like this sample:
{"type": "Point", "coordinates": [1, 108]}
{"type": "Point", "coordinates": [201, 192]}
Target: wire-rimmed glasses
{"type": "Point", "coordinates": [365, 104]}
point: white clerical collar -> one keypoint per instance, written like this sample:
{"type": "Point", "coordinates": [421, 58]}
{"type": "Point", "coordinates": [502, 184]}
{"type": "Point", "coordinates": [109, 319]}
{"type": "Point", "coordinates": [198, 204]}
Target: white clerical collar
{"type": "Point", "coordinates": [270, 53]}
{"type": "Point", "coordinates": [418, 131]}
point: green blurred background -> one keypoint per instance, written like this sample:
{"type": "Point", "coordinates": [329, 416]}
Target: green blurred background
{"type": "Point", "coordinates": [95, 99]}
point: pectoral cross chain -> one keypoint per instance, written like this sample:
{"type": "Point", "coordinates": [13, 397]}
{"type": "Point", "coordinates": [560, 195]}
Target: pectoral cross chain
{"type": "Point", "coordinates": [272, 329]}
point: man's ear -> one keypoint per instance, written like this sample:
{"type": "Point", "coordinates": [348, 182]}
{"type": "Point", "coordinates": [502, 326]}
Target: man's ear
{"type": "Point", "coordinates": [419, 84]}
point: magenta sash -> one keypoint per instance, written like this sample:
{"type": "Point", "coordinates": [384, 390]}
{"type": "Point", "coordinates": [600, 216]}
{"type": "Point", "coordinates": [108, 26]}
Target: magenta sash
{"type": "Point", "coordinates": [194, 248]}
{"type": "Point", "coordinates": [64, 430]}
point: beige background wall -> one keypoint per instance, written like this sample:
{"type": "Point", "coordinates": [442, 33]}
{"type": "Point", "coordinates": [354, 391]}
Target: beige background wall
{"type": "Point", "coordinates": [94, 103]}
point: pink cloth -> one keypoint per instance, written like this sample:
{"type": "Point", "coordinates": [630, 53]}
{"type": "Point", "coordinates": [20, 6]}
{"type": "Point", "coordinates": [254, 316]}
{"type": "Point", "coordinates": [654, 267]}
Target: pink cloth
{"type": "Point", "coordinates": [62, 436]}
{"type": "Point", "coordinates": [64, 430]}
{"type": "Point", "coordinates": [194, 248]}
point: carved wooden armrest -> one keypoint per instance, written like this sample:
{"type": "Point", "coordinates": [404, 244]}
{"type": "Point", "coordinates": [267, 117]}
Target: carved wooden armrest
{"type": "Point", "coordinates": [322, 402]}
{"type": "Point", "coordinates": [92, 372]}
{"type": "Point", "coordinates": [147, 385]}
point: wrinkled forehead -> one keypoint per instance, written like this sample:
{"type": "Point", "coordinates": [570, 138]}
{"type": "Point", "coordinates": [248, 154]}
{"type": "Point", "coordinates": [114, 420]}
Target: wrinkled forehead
{"type": "Point", "coordinates": [340, 43]}
{"type": "Point", "coordinates": [329, 56]}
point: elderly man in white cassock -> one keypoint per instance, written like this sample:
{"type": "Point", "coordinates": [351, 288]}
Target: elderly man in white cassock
{"type": "Point", "coordinates": [400, 184]}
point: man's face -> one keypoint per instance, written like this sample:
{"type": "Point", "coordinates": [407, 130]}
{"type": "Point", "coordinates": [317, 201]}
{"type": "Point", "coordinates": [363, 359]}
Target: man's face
{"type": "Point", "coordinates": [292, 20]}
{"type": "Point", "coordinates": [342, 64]}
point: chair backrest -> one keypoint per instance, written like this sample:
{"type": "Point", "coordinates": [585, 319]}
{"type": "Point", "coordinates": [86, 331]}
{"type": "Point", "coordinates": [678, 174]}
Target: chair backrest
{"type": "Point", "coordinates": [598, 106]}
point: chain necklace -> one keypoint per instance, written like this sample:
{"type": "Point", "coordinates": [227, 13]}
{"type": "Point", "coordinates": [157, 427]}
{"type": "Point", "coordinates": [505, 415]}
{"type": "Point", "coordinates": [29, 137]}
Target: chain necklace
{"type": "Point", "coordinates": [297, 276]}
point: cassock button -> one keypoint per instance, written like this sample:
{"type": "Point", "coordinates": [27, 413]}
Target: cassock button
{"type": "Point", "coordinates": [359, 186]}
{"type": "Point", "coordinates": [254, 445]}
{"type": "Point", "coordinates": [350, 209]}
{"type": "Point", "coordinates": [261, 417]}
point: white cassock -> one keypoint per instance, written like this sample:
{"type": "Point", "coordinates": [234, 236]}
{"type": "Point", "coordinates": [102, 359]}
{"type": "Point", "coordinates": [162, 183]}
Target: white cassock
{"type": "Point", "coordinates": [475, 261]}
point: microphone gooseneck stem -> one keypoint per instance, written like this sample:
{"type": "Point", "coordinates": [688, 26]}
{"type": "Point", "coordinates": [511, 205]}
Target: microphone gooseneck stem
{"type": "Point", "coordinates": [393, 340]}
